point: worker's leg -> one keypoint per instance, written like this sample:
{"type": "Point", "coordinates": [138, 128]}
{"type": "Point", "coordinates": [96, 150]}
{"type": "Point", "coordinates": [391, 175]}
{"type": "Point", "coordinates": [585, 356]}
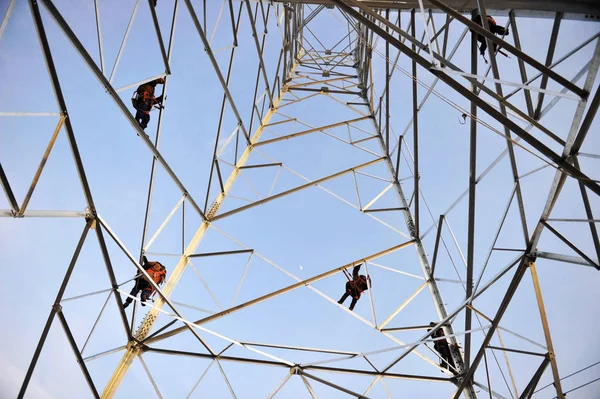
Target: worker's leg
{"type": "Point", "coordinates": [133, 293]}
{"type": "Point", "coordinates": [145, 120]}
{"type": "Point", "coordinates": [146, 295]}
{"type": "Point", "coordinates": [343, 298]}
{"type": "Point", "coordinates": [139, 115]}
{"type": "Point", "coordinates": [353, 303]}
{"type": "Point", "coordinates": [483, 46]}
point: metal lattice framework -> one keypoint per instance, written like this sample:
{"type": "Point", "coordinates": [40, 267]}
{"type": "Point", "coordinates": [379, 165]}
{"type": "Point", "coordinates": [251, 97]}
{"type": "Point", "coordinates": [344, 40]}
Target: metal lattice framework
{"type": "Point", "coordinates": [353, 80]}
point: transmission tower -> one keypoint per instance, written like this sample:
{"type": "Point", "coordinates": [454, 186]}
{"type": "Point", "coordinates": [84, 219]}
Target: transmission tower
{"type": "Point", "coordinates": [298, 140]}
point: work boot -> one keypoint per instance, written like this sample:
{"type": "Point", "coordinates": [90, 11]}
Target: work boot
{"type": "Point", "coordinates": [144, 299]}
{"type": "Point", "coordinates": [126, 304]}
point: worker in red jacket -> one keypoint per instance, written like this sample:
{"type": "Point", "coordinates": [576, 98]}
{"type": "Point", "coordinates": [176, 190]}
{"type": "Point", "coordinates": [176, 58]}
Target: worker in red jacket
{"type": "Point", "coordinates": [144, 101]}
{"type": "Point", "coordinates": [157, 273]}
{"type": "Point", "coordinates": [355, 287]}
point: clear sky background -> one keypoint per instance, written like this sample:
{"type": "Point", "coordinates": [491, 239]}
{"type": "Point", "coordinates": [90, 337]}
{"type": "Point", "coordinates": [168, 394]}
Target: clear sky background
{"type": "Point", "coordinates": [304, 234]}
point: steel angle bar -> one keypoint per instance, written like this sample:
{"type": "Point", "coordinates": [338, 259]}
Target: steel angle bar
{"type": "Point", "coordinates": [377, 197]}
{"type": "Point", "coordinates": [87, 340]}
{"type": "Point", "coordinates": [311, 130]}
{"type": "Point", "coordinates": [164, 223]}
{"type": "Point", "coordinates": [147, 370]}
{"type": "Point", "coordinates": [402, 306]}
{"type": "Point", "coordinates": [71, 339]}
{"type": "Point", "coordinates": [133, 13]}
{"type": "Point", "coordinates": [55, 309]}
{"type": "Point", "coordinates": [546, 327]}
{"type": "Point", "coordinates": [282, 290]}
{"type": "Point", "coordinates": [88, 294]}
{"type": "Point", "coordinates": [332, 385]}
{"type": "Point", "coordinates": [569, 244]}
{"type": "Point", "coordinates": [310, 389]}
{"type": "Point", "coordinates": [264, 165]}
{"type": "Point", "coordinates": [472, 203]}
{"type": "Point", "coordinates": [9, 11]}
{"type": "Point", "coordinates": [414, 377]}
{"type": "Point", "coordinates": [302, 349]}
{"type": "Point", "coordinates": [530, 388]}
{"type": "Point", "coordinates": [588, 211]}
{"type": "Point", "coordinates": [522, 69]}
{"type": "Point", "coordinates": [293, 190]}
{"type": "Point", "coordinates": [138, 83]}
{"type": "Point", "coordinates": [105, 353]}
{"type": "Point", "coordinates": [573, 220]}
{"type": "Point", "coordinates": [14, 205]}
{"type": "Point", "coordinates": [99, 35]}
{"type": "Point", "coordinates": [199, 379]}
{"type": "Point", "coordinates": [45, 214]}
{"type": "Point", "coordinates": [94, 68]}
{"type": "Point", "coordinates": [30, 114]}
{"type": "Point", "coordinates": [234, 252]}
{"type": "Point", "coordinates": [516, 351]}
{"type": "Point", "coordinates": [549, 56]}
{"type": "Point", "coordinates": [259, 51]}
{"type": "Point", "coordinates": [437, 245]}
{"type": "Point", "coordinates": [40, 168]}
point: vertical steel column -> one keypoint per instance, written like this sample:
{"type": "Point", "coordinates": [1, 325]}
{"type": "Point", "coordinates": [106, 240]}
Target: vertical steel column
{"type": "Point", "coordinates": [472, 202]}
{"type": "Point", "coordinates": [387, 88]}
{"type": "Point", "coordinates": [415, 128]}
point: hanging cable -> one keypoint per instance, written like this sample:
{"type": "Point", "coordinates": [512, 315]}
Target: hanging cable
{"type": "Point", "coordinates": [570, 375]}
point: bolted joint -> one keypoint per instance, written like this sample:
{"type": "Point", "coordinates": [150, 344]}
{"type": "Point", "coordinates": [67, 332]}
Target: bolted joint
{"type": "Point", "coordinates": [296, 370]}
{"type": "Point", "coordinates": [57, 307]}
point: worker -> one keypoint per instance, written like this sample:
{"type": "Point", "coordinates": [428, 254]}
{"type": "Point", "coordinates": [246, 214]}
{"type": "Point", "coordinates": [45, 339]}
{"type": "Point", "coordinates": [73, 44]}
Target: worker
{"type": "Point", "coordinates": [355, 286]}
{"type": "Point", "coordinates": [143, 101]}
{"type": "Point", "coordinates": [443, 348]}
{"type": "Point", "coordinates": [156, 271]}
{"type": "Point", "coordinates": [494, 28]}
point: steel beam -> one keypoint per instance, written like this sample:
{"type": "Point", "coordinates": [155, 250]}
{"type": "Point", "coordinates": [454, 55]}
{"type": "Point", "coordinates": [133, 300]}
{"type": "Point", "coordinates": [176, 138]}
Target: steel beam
{"type": "Point", "coordinates": [549, 56]}
{"type": "Point", "coordinates": [546, 327]}
{"type": "Point", "coordinates": [472, 202]}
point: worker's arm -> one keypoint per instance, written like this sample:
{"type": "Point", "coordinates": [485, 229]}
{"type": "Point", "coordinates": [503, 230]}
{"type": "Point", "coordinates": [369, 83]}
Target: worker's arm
{"type": "Point", "coordinates": [355, 271]}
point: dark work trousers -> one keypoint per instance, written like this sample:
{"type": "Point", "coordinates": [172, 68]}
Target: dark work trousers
{"type": "Point", "coordinates": [351, 290]}
{"type": "Point", "coordinates": [444, 350]}
{"type": "Point", "coordinates": [142, 118]}
{"type": "Point", "coordinates": [140, 285]}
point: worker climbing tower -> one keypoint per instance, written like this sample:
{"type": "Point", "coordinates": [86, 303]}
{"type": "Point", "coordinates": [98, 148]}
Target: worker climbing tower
{"type": "Point", "coordinates": [298, 139]}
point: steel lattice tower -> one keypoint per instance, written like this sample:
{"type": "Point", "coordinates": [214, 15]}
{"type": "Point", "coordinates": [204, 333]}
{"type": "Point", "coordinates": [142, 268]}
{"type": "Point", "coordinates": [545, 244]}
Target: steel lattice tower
{"type": "Point", "coordinates": [461, 230]}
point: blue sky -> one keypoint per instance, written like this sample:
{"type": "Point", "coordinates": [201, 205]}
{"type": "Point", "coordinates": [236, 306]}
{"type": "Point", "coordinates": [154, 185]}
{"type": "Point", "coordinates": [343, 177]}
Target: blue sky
{"type": "Point", "coordinates": [306, 233]}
